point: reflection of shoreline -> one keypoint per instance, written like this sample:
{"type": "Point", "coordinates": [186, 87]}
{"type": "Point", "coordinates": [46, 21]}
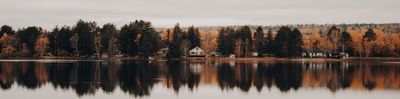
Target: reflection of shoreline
{"type": "Point", "coordinates": [138, 78]}
{"type": "Point", "coordinates": [208, 58]}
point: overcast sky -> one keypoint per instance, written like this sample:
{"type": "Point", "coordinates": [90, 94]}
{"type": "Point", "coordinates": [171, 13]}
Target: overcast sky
{"type": "Point", "coordinates": [166, 13]}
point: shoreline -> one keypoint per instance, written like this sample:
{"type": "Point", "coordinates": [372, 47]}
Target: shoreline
{"type": "Point", "coordinates": [273, 59]}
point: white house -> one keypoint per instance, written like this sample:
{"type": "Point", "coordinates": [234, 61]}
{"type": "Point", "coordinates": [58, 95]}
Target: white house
{"type": "Point", "coordinates": [197, 51]}
{"type": "Point", "coordinates": [232, 56]}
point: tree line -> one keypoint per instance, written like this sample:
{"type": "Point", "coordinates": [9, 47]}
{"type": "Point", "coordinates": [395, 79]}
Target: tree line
{"type": "Point", "coordinates": [291, 42]}
{"type": "Point", "coordinates": [242, 42]}
{"type": "Point", "coordinates": [140, 39]}
{"type": "Point", "coordinates": [85, 39]}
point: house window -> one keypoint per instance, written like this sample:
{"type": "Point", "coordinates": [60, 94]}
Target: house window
{"type": "Point", "coordinates": [192, 53]}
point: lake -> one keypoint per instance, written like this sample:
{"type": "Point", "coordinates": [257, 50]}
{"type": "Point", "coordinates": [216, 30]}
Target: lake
{"type": "Point", "coordinates": [99, 79]}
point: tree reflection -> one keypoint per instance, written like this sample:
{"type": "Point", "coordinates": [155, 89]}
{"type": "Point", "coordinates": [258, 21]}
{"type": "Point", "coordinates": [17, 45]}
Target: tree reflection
{"type": "Point", "coordinates": [138, 78]}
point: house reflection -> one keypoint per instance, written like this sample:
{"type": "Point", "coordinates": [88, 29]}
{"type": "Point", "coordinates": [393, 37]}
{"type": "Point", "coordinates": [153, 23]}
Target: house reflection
{"type": "Point", "coordinates": [138, 78]}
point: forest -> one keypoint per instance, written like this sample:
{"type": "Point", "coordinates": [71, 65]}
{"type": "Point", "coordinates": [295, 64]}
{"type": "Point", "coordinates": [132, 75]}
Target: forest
{"type": "Point", "coordinates": [140, 39]}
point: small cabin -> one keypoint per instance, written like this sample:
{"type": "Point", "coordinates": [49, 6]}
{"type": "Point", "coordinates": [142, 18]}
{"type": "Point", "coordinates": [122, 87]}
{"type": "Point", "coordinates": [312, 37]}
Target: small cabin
{"type": "Point", "coordinates": [197, 51]}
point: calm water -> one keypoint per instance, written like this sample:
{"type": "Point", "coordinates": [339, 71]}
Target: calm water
{"type": "Point", "coordinates": [69, 79]}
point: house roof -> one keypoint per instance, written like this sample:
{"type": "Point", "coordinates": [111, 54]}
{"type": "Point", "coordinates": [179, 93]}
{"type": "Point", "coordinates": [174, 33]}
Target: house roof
{"type": "Point", "coordinates": [196, 49]}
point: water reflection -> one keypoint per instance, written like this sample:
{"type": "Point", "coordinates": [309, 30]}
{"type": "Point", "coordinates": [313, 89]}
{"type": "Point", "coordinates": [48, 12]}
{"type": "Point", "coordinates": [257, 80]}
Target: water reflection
{"type": "Point", "coordinates": [138, 78]}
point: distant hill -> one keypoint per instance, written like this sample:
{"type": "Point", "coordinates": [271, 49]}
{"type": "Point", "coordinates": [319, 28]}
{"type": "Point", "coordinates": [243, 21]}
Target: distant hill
{"type": "Point", "coordinates": [309, 28]}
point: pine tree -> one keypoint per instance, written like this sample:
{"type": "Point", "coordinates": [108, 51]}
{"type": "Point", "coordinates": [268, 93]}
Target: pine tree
{"type": "Point", "coordinates": [295, 43]}
{"type": "Point", "coordinates": [65, 46]}
{"type": "Point", "coordinates": [53, 46]}
{"type": "Point", "coordinates": [226, 41]}
{"type": "Point", "coordinates": [370, 35]}
{"type": "Point", "coordinates": [6, 29]}
{"type": "Point", "coordinates": [86, 37]}
{"type": "Point", "coordinates": [346, 43]}
{"type": "Point", "coordinates": [260, 41]}
{"type": "Point", "coordinates": [174, 48]}
{"type": "Point", "coordinates": [270, 43]}
{"type": "Point", "coordinates": [281, 41]}
{"type": "Point", "coordinates": [127, 39]}
{"type": "Point", "coordinates": [194, 37]}
{"type": "Point", "coordinates": [221, 40]}
{"type": "Point", "coordinates": [150, 40]}
{"type": "Point", "coordinates": [245, 36]}
{"type": "Point", "coordinates": [27, 38]}
{"type": "Point", "coordinates": [108, 31]}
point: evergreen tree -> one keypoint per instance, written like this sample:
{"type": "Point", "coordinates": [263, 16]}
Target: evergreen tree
{"type": "Point", "coordinates": [150, 40]}
{"type": "Point", "coordinates": [270, 43]}
{"type": "Point", "coordinates": [194, 37]}
{"type": "Point", "coordinates": [245, 36]}
{"type": "Point", "coordinates": [221, 41]}
{"type": "Point", "coordinates": [288, 43]}
{"type": "Point", "coordinates": [175, 49]}
{"type": "Point", "coordinates": [370, 35]}
{"type": "Point", "coordinates": [295, 43]}
{"type": "Point", "coordinates": [260, 41]}
{"type": "Point", "coordinates": [54, 46]}
{"type": "Point", "coordinates": [59, 41]}
{"type": "Point", "coordinates": [63, 38]}
{"type": "Point", "coordinates": [27, 39]}
{"type": "Point", "coordinates": [281, 41]}
{"type": "Point", "coordinates": [226, 41]}
{"type": "Point", "coordinates": [128, 39]}
{"type": "Point", "coordinates": [86, 32]}
{"type": "Point", "coordinates": [321, 34]}
{"type": "Point", "coordinates": [107, 32]}
{"type": "Point", "coordinates": [346, 43]}
{"type": "Point", "coordinates": [230, 41]}
{"type": "Point", "coordinates": [6, 29]}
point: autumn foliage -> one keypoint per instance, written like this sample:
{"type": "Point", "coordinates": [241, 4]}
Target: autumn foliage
{"type": "Point", "coordinates": [139, 38]}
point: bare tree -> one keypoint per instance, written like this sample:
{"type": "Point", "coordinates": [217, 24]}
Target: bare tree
{"type": "Point", "coordinates": [208, 43]}
{"type": "Point", "coordinates": [185, 45]}
{"type": "Point", "coordinates": [74, 43]}
{"type": "Point", "coordinates": [112, 47]}
{"type": "Point", "coordinates": [98, 44]}
{"type": "Point", "coordinates": [334, 35]}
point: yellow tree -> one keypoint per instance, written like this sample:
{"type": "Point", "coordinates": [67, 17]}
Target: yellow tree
{"type": "Point", "coordinates": [41, 45]}
{"type": "Point", "coordinates": [208, 41]}
{"type": "Point", "coordinates": [379, 45]}
{"type": "Point", "coordinates": [7, 47]}
{"type": "Point", "coordinates": [368, 47]}
{"type": "Point", "coordinates": [312, 42]}
{"type": "Point", "coordinates": [357, 37]}
{"type": "Point", "coordinates": [325, 45]}
{"type": "Point", "coordinates": [391, 44]}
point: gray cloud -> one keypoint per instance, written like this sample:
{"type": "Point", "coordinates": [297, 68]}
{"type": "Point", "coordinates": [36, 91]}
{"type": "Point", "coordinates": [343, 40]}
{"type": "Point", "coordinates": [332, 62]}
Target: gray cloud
{"type": "Point", "coordinates": [165, 13]}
